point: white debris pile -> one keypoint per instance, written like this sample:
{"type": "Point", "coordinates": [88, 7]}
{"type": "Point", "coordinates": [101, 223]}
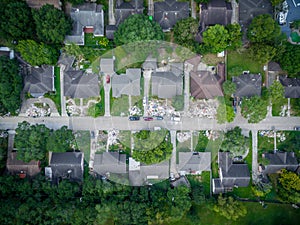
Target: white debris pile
{"type": "Point", "coordinates": [212, 134]}
{"type": "Point", "coordinates": [183, 136]}
{"type": "Point", "coordinates": [203, 108]}
{"type": "Point", "coordinates": [159, 108]}
{"type": "Point", "coordinates": [73, 110]}
{"type": "Point", "coordinates": [135, 111]}
{"type": "Point", "coordinates": [283, 110]}
{"type": "Point", "coordinates": [112, 138]}
{"type": "Point", "coordinates": [270, 134]}
{"type": "Point", "coordinates": [34, 111]}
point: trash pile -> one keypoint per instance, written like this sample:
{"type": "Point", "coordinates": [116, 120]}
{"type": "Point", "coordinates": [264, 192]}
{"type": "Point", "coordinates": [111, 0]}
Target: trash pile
{"type": "Point", "coordinates": [183, 136]}
{"type": "Point", "coordinates": [156, 108]}
{"type": "Point", "coordinates": [35, 111]}
{"type": "Point", "coordinates": [212, 134]}
{"type": "Point", "coordinates": [203, 108]}
{"type": "Point", "coordinates": [112, 138]}
{"type": "Point", "coordinates": [135, 111]}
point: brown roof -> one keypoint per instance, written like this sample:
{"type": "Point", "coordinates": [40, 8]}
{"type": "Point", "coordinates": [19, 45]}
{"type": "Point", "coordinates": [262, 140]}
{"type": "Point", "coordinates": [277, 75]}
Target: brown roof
{"type": "Point", "coordinates": [36, 4]}
{"type": "Point", "coordinates": [15, 166]}
{"type": "Point", "coordinates": [194, 62]}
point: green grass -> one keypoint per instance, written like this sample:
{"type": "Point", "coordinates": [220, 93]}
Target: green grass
{"type": "Point", "coordinates": [265, 144]}
{"type": "Point", "coordinates": [295, 107]}
{"type": "Point", "coordinates": [120, 105]}
{"type": "Point", "coordinates": [98, 109]}
{"type": "Point", "coordinates": [91, 41]}
{"type": "Point", "coordinates": [83, 141]}
{"type": "Point", "coordinates": [56, 97]}
{"type": "Point", "coordinates": [205, 176]}
{"type": "Point", "coordinates": [276, 106]}
{"type": "Point", "coordinates": [239, 62]}
{"type": "Point", "coordinates": [295, 37]}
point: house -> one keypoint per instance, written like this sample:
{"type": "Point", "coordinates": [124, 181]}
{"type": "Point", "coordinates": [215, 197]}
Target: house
{"type": "Point", "coordinates": [18, 167]}
{"type": "Point", "coordinates": [78, 83]}
{"type": "Point", "coordinates": [87, 18]}
{"type": "Point", "coordinates": [150, 64]}
{"type": "Point", "coordinates": [215, 12]}
{"type": "Point", "coordinates": [291, 86]}
{"type": "Point", "coordinates": [247, 85]}
{"type": "Point", "coordinates": [107, 66]}
{"type": "Point", "coordinates": [39, 81]}
{"type": "Point", "coordinates": [193, 162]}
{"type": "Point", "coordinates": [5, 51]}
{"type": "Point", "coordinates": [274, 70]}
{"type": "Point", "coordinates": [36, 4]}
{"type": "Point", "coordinates": [168, 12]}
{"type": "Point", "coordinates": [110, 162]}
{"type": "Point", "coordinates": [126, 84]}
{"type": "Point", "coordinates": [206, 84]}
{"type": "Point", "coordinates": [278, 161]}
{"type": "Point", "coordinates": [142, 174]}
{"type": "Point", "coordinates": [65, 165]}
{"type": "Point", "coordinates": [231, 174]}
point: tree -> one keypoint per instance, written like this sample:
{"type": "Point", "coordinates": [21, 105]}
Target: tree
{"type": "Point", "coordinates": [10, 86]}
{"type": "Point", "coordinates": [276, 91]}
{"type": "Point", "coordinates": [37, 54]}
{"type": "Point", "coordinates": [178, 102]}
{"type": "Point", "coordinates": [235, 36]}
{"type": "Point", "coordinates": [216, 38]}
{"type": "Point", "coordinates": [261, 52]}
{"type": "Point", "coordinates": [185, 31]}
{"type": "Point", "coordinates": [289, 186]}
{"type": "Point", "coordinates": [16, 20]}
{"type": "Point", "coordinates": [254, 109]}
{"type": "Point", "coordinates": [229, 208]}
{"type": "Point", "coordinates": [74, 50]}
{"type": "Point", "coordinates": [30, 141]}
{"type": "Point", "coordinates": [60, 140]}
{"type": "Point", "coordinates": [235, 142]}
{"type": "Point", "coordinates": [3, 150]}
{"type": "Point", "coordinates": [288, 57]}
{"type": "Point", "coordinates": [263, 29]}
{"type": "Point", "coordinates": [138, 28]}
{"type": "Point", "coordinates": [52, 24]}
{"type": "Point", "coordinates": [276, 2]}
{"type": "Point", "coordinates": [229, 88]}
{"type": "Point", "coordinates": [76, 2]}
{"type": "Point", "coordinates": [225, 113]}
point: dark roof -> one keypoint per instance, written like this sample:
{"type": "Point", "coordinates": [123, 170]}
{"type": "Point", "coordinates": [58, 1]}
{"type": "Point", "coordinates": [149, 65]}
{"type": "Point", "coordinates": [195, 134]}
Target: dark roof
{"type": "Point", "coordinates": [109, 31]}
{"type": "Point", "coordinates": [15, 166]}
{"type": "Point", "coordinates": [168, 12]}
{"type": "Point", "coordinates": [216, 12]}
{"type": "Point", "coordinates": [39, 81]}
{"type": "Point", "coordinates": [125, 9]}
{"type": "Point", "coordinates": [88, 14]}
{"type": "Point", "coordinates": [274, 66]}
{"type": "Point", "coordinates": [205, 85]}
{"type": "Point", "coordinates": [291, 86]}
{"type": "Point", "coordinates": [112, 162]}
{"type": "Point", "coordinates": [66, 165]}
{"type": "Point", "coordinates": [233, 173]}
{"type": "Point", "coordinates": [247, 85]}
{"type": "Point", "coordinates": [280, 160]}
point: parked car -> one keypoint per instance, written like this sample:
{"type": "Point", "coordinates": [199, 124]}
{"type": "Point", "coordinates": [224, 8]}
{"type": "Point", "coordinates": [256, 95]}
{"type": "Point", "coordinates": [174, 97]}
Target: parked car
{"type": "Point", "coordinates": [297, 128]}
{"type": "Point", "coordinates": [159, 118]}
{"type": "Point", "coordinates": [107, 79]}
{"type": "Point", "coordinates": [134, 118]}
{"type": "Point", "coordinates": [148, 118]}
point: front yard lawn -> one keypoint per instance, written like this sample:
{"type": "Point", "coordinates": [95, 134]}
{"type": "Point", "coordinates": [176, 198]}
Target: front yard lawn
{"type": "Point", "coordinates": [277, 106]}
{"type": "Point", "coordinates": [120, 105]}
{"type": "Point", "coordinates": [237, 62]}
{"type": "Point", "coordinates": [83, 142]}
{"type": "Point", "coordinates": [98, 109]}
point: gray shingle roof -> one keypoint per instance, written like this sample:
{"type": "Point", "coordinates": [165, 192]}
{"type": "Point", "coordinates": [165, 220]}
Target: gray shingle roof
{"type": "Point", "coordinates": [233, 173]}
{"type": "Point", "coordinates": [39, 81]}
{"type": "Point", "coordinates": [291, 86]}
{"type": "Point", "coordinates": [190, 162]}
{"type": "Point", "coordinates": [126, 84]}
{"type": "Point", "coordinates": [168, 12]}
{"type": "Point", "coordinates": [166, 84]}
{"type": "Point", "coordinates": [112, 162]}
{"type": "Point", "coordinates": [109, 31]}
{"type": "Point", "coordinates": [280, 160]}
{"type": "Point", "coordinates": [150, 64]}
{"type": "Point", "coordinates": [247, 85]}
{"type": "Point", "coordinates": [67, 165]}
{"type": "Point", "coordinates": [107, 66]}
{"type": "Point", "coordinates": [125, 9]}
{"type": "Point", "coordinates": [86, 15]}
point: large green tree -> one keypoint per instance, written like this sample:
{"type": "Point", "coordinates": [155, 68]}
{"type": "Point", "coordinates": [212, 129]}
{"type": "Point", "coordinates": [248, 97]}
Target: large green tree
{"type": "Point", "coordinates": [37, 54]}
{"type": "Point", "coordinates": [229, 88]}
{"type": "Point", "coordinates": [289, 59]}
{"type": "Point", "coordinates": [52, 24]}
{"type": "Point", "coordinates": [235, 36]}
{"type": "Point", "coordinates": [216, 38]}
{"type": "Point", "coordinates": [138, 28]}
{"type": "Point", "coordinates": [289, 186]}
{"type": "Point", "coordinates": [261, 52]}
{"type": "Point", "coordinates": [10, 86]}
{"type": "Point", "coordinates": [263, 28]}
{"type": "Point", "coordinates": [254, 109]}
{"type": "Point", "coordinates": [60, 140]}
{"type": "Point", "coordinates": [235, 142]}
{"type": "Point", "coordinates": [276, 92]}
{"type": "Point", "coordinates": [16, 21]}
{"type": "Point", "coordinates": [185, 31]}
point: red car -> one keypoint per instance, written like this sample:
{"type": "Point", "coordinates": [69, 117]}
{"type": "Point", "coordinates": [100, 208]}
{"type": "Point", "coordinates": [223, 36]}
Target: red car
{"type": "Point", "coordinates": [148, 118]}
{"type": "Point", "coordinates": [107, 79]}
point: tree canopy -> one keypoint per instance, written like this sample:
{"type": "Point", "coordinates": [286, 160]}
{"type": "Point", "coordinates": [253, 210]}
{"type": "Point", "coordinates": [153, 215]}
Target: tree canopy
{"type": "Point", "coordinates": [10, 85]}
{"type": "Point", "coordinates": [289, 186]}
{"type": "Point", "coordinates": [235, 142]}
{"type": "Point", "coordinates": [52, 24]}
{"type": "Point", "coordinates": [16, 21]}
{"type": "Point", "coordinates": [138, 28]}
{"type": "Point", "coordinates": [229, 88]}
{"type": "Point", "coordinates": [254, 109]}
{"type": "Point", "coordinates": [276, 91]}
{"type": "Point", "coordinates": [261, 52]}
{"type": "Point", "coordinates": [216, 38]}
{"type": "Point", "coordinates": [263, 28]}
{"type": "Point", "coordinates": [37, 54]}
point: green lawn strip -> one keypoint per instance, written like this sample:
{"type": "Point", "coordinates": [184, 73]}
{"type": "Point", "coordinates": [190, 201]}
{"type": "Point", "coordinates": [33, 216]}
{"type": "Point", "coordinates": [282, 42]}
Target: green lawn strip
{"type": "Point", "coordinates": [276, 106]}
{"type": "Point", "coordinates": [56, 97]}
{"type": "Point", "coordinates": [98, 109]}
{"type": "Point", "coordinates": [83, 142]}
{"type": "Point", "coordinates": [125, 141]}
{"type": "Point", "coordinates": [214, 147]}
{"type": "Point", "coordinates": [205, 176]}
{"type": "Point", "coordinates": [295, 107]}
{"type": "Point", "coordinates": [265, 144]}
{"type": "Point", "coordinates": [237, 62]}
{"type": "Point", "coordinates": [121, 105]}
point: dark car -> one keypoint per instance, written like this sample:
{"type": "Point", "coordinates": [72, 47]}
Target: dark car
{"type": "Point", "coordinates": [134, 118]}
{"type": "Point", "coordinates": [297, 128]}
{"type": "Point", "coordinates": [148, 118]}
{"type": "Point", "coordinates": [159, 118]}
